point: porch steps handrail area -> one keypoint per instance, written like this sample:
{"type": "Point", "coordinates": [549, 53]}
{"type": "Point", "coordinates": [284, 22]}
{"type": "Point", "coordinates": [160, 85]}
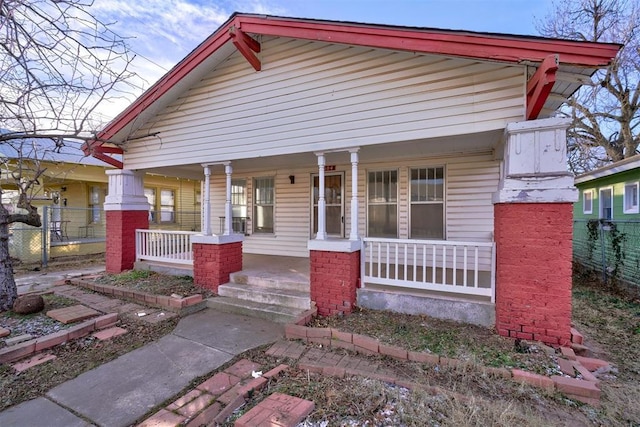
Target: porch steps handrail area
{"type": "Point", "coordinates": [466, 268]}
{"type": "Point", "coordinates": [164, 246]}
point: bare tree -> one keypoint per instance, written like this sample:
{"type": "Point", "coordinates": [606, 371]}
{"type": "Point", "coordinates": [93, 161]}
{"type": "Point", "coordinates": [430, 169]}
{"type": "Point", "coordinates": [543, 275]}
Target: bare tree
{"type": "Point", "coordinates": [605, 112]}
{"type": "Point", "coordinates": [58, 62]}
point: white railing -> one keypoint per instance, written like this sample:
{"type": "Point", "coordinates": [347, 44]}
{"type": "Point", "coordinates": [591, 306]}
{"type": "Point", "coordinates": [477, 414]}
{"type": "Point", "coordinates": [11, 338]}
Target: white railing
{"type": "Point", "coordinates": [436, 265]}
{"type": "Point", "coordinates": [164, 246]}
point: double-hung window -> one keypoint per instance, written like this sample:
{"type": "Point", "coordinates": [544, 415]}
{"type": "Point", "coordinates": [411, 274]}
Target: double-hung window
{"type": "Point", "coordinates": [427, 203]}
{"type": "Point", "coordinates": [94, 204]}
{"type": "Point", "coordinates": [606, 203]}
{"type": "Point", "coordinates": [263, 204]}
{"type": "Point", "coordinates": [631, 198]}
{"type": "Point", "coordinates": [167, 206]}
{"type": "Point", "coordinates": [587, 202]}
{"type": "Point", "coordinates": [382, 204]}
{"type": "Point", "coordinates": [239, 205]}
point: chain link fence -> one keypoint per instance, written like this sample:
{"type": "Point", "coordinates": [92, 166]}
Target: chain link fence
{"type": "Point", "coordinates": [609, 247]}
{"type": "Point", "coordinates": [67, 231]}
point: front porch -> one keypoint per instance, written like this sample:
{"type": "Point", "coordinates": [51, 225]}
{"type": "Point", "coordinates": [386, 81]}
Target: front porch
{"type": "Point", "coordinates": [444, 279]}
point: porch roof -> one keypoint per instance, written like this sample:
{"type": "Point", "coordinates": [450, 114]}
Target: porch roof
{"type": "Point", "coordinates": [575, 60]}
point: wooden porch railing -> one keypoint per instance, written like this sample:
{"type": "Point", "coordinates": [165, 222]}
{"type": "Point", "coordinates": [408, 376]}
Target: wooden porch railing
{"type": "Point", "coordinates": [466, 268]}
{"type": "Point", "coordinates": [164, 246]}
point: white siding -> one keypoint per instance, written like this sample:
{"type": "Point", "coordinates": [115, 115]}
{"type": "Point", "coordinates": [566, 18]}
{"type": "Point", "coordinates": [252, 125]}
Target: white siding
{"type": "Point", "coordinates": [470, 183]}
{"type": "Point", "coordinates": [317, 96]}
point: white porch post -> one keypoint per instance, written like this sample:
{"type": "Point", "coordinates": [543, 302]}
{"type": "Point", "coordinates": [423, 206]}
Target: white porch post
{"type": "Point", "coordinates": [228, 214]}
{"type": "Point", "coordinates": [322, 233]}
{"type": "Point", "coordinates": [206, 217]}
{"type": "Point", "coordinates": [353, 235]}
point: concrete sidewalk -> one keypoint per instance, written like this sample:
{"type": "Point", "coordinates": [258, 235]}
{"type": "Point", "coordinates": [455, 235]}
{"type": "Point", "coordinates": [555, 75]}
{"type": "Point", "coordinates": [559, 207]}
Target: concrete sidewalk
{"type": "Point", "coordinates": [120, 392]}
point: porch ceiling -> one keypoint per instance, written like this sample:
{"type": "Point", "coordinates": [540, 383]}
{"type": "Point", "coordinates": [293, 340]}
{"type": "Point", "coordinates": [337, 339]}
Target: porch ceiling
{"type": "Point", "coordinates": [424, 148]}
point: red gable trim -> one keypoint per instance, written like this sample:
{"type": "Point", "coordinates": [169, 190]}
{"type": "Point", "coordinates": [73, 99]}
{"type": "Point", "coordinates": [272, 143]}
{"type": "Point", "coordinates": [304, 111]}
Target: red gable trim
{"type": "Point", "coordinates": [512, 49]}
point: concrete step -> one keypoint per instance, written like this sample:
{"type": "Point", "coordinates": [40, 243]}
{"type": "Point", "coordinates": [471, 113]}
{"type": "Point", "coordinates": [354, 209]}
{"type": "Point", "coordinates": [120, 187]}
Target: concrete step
{"type": "Point", "coordinates": [267, 295]}
{"type": "Point", "coordinates": [275, 313]}
{"type": "Point", "coordinates": [267, 281]}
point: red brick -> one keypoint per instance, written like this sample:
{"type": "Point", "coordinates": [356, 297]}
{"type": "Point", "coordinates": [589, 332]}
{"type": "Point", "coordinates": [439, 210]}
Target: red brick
{"type": "Point", "coordinates": [175, 302]}
{"type": "Point", "coordinates": [36, 360]}
{"type": "Point", "coordinates": [566, 366]}
{"type": "Point", "coordinates": [333, 371]}
{"type": "Point", "coordinates": [584, 372]}
{"type": "Point", "coordinates": [15, 352]}
{"type": "Point", "coordinates": [342, 336]}
{"type": "Point", "coordinates": [121, 232]}
{"type": "Point", "coordinates": [242, 368]}
{"type": "Point", "coordinates": [576, 337]}
{"type": "Point", "coordinates": [108, 333]}
{"type": "Point", "coordinates": [252, 385]}
{"type": "Point", "coordinates": [106, 320]}
{"type": "Point", "coordinates": [207, 416]}
{"type": "Point", "coordinates": [219, 383]}
{"type": "Point", "coordinates": [277, 410]}
{"type": "Point", "coordinates": [191, 300]}
{"type": "Point", "coordinates": [293, 331]}
{"type": "Point", "coordinates": [228, 410]}
{"type": "Point", "coordinates": [422, 357]}
{"type": "Point", "coordinates": [591, 363]}
{"type": "Point", "coordinates": [568, 353]}
{"type": "Point", "coordinates": [576, 387]}
{"type": "Point", "coordinates": [51, 340]}
{"type": "Point", "coordinates": [180, 402]}
{"type": "Point", "coordinates": [162, 418]}
{"type": "Point", "coordinates": [393, 351]}
{"type": "Point", "coordinates": [342, 344]}
{"type": "Point", "coordinates": [275, 371]}
{"type": "Point", "coordinates": [81, 330]}
{"type": "Point", "coordinates": [318, 332]}
{"type": "Point", "coordinates": [196, 405]}
{"type": "Point", "coordinates": [533, 379]}
{"type": "Point", "coordinates": [366, 343]}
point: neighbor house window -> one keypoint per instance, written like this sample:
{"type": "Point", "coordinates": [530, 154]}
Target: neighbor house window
{"type": "Point", "coordinates": [587, 202]}
{"type": "Point", "coordinates": [427, 203]}
{"type": "Point", "coordinates": [382, 204]}
{"type": "Point", "coordinates": [150, 194]}
{"type": "Point", "coordinates": [631, 198]}
{"type": "Point", "coordinates": [606, 203]}
{"type": "Point", "coordinates": [94, 204]}
{"type": "Point", "coordinates": [264, 204]}
{"type": "Point", "coordinates": [167, 206]}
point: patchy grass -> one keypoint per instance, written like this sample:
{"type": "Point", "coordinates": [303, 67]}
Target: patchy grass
{"type": "Point", "coordinates": [74, 358]}
{"type": "Point", "coordinates": [35, 324]}
{"type": "Point", "coordinates": [154, 283]}
{"type": "Point", "coordinates": [444, 337]}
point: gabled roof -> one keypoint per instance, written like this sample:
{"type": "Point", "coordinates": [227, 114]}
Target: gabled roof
{"type": "Point", "coordinates": [625, 165]}
{"type": "Point", "coordinates": [45, 150]}
{"type": "Point", "coordinates": [579, 59]}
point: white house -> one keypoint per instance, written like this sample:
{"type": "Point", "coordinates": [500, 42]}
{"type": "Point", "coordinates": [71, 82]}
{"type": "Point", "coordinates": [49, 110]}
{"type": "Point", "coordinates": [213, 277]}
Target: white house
{"type": "Point", "coordinates": [399, 161]}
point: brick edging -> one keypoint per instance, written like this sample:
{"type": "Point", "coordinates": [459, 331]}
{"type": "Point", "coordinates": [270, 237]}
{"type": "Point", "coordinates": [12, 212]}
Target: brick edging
{"type": "Point", "coordinates": [585, 390]}
{"type": "Point", "coordinates": [166, 302]}
{"type": "Point", "coordinates": [27, 348]}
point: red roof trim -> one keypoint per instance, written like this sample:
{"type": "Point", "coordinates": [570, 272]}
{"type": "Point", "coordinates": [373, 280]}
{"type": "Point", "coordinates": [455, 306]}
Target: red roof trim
{"type": "Point", "coordinates": [513, 49]}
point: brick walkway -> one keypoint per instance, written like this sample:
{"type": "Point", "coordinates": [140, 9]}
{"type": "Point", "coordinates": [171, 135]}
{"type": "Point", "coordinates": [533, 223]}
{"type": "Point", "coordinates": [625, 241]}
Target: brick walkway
{"type": "Point", "coordinates": [107, 304]}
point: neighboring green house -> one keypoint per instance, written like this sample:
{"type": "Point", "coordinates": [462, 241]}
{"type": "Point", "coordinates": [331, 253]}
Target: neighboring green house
{"type": "Point", "coordinates": [606, 232]}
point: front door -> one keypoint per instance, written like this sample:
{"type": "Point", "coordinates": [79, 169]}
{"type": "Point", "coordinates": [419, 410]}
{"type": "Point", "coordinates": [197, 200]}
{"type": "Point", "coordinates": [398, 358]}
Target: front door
{"type": "Point", "coordinates": [333, 194]}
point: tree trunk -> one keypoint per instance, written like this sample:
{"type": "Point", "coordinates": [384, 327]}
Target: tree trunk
{"type": "Point", "coordinates": [8, 289]}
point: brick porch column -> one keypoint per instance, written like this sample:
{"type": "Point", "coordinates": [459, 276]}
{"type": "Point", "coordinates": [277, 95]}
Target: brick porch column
{"type": "Point", "coordinates": [533, 232]}
{"type": "Point", "coordinates": [127, 209]}
{"type": "Point", "coordinates": [215, 258]}
{"type": "Point", "coordinates": [335, 275]}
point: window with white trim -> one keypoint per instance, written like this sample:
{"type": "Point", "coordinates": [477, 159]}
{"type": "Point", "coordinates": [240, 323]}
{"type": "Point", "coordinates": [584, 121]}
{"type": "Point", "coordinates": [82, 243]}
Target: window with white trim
{"type": "Point", "coordinates": [239, 205]}
{"type": "Point", "coordinates": [167, 205]}
{"type": "Point", "coordinates": [95, 206]}
{"type": "Point", "coordinates": [587, 202]}
{"type": "Point", "coordinates": [382, 204]}
{"type": "Point", "coordinates": [427, 203]}
{"type": "Point", "coordinates": [150, 194]}
{"type": "Point", "coordinates": [263, 204]}
{"type": "Point", "coordinates": [606, 203]}
{"type": "Point", "coordinates": [631, 198]}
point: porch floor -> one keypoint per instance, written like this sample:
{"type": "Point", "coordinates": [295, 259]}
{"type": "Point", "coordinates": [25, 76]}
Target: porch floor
{"type": "Point", "coordinates": [282, 268]}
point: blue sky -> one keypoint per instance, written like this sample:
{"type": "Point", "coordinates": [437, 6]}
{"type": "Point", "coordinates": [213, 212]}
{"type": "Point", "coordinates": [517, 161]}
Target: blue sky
{"type": "Point", "coordinates": [162, 32]}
